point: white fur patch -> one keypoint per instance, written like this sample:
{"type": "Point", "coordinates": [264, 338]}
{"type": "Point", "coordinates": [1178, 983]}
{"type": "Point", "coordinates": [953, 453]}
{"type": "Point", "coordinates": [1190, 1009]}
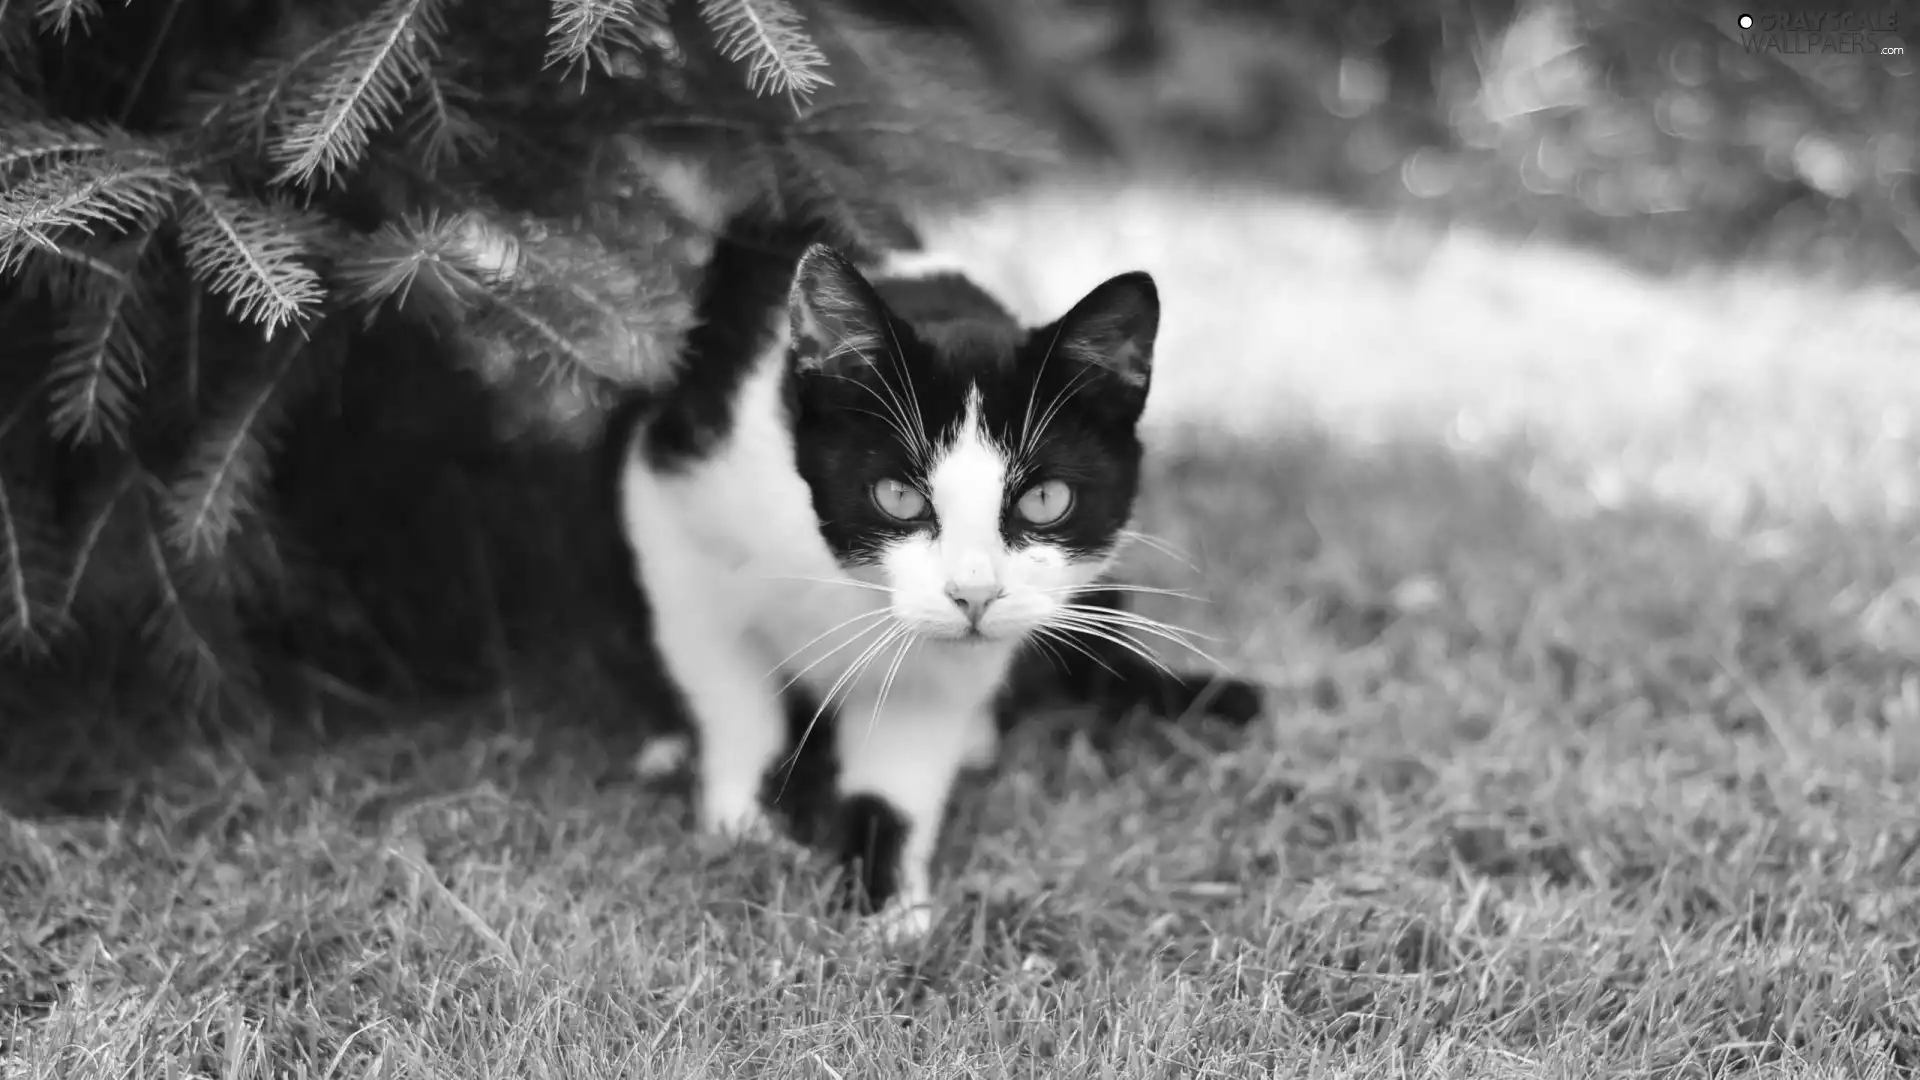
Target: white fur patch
{"type": "Point", "coordinates": [661, 757]}
{"type": "Point", "coordinates": [748, 596]}
{"type": "Point", "coordinates": [968, 489]}
{"type": "Point", "coordinates": [912, 265]}
{"type": "Point", "coordinates": [683, 183]}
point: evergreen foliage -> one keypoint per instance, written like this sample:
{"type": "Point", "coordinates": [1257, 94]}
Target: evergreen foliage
{"type": "Point", "coordinates": [301, 302]}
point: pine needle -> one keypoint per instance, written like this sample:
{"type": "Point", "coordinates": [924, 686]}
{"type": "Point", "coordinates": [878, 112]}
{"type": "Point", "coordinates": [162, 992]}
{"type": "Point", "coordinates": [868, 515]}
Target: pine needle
{"type": "Point", "coordinates": [29, 143]}
{"type": "Point", "coordinates": [240, 117]}
{"type": "Point", "coordinates": [61, 16]}
{"type": "Point", "coordinates": [92, 381]}
{"type": "Point", "coordinates": [92, 536]}
{"type": "Point", "coordinates": [436, 129]}
{"type": "Point", "coordinates": [432, 256]}
{"type": "Point", "coordinates": [68, 275]}
{"type": "Point", "coordinates": [251, 253]}
{"type": "Point", "coordinates": [183, 649]}
{"type": "Point", "coordinates": [86, 194]}
{"type": "Point", "coordinates": [367, 76]}
{"type": "Point", "coordinates": [28, 625]}
{"type": "Point", "coordinates": [18, 57]}
{"type": "Point", "coordinates": [584, 31]}
{"type": "Point", "coordinates": [768, 37]}
{"type": "Point", "coordinates": [226, 465]}
{"type": "Point", "coordinates": [23, 630]}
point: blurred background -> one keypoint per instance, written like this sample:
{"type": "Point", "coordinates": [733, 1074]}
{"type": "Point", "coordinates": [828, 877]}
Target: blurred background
{"type": "Point", "coordinates": [1662, 132]}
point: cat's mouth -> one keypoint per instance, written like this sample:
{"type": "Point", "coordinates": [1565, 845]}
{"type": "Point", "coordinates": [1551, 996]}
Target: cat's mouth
{"type": "Point", "coordinates": [971, 635]}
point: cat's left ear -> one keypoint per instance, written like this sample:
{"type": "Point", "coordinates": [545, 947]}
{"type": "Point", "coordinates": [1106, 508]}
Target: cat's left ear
{"type": "Point", "coordinates": [1113, 327]}
{"type": "Point", "coordinates": [839, 324]}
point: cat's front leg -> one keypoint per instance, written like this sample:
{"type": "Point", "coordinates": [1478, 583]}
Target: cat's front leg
{"type": "Point", "coordinates": [981, 747]}
{"type": "Point", "coordinates": [895, 778]}
{"type": "Point", "coordinates": [741, 722]}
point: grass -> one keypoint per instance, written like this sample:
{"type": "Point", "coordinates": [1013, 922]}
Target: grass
{"type": "Point", "coordinates": [1595, 744]}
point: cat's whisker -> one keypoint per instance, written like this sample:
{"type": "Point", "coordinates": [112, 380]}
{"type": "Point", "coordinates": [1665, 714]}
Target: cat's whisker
{"type": "Point", "coordinates": [1164, 633]}
{"type": "Point", "coordinates": [1084, 618]}
{"type": "Point", "coordinates": [1157, 544]}
{"type": "Point", "coordinates": [1147, 590]}
{"type": "Point", "coordinates": [1048, 633]}
{"type": "Point", "coordinates": [894, 417]}
{"type": "Point", "coordinates": [919, 418]}
{"type": "Point", "coordinates": [1026, 421]}
{"type": "Point", "coordinates": [1115, 637]}
{"type": "Point", "coordinates": [853, 583]}
{"type": "Point", "coordinates": [1135, 619]}
{"type": "Point", "coordinates": [790, 657]}
{"type": "Point", "coordinates": [826, 700]}
{"type": "Point", "coordinates": [912, 433]}
{"type": "Point", "coordinates": [1045, 641]}
{"type": "Point", "coordinates": [850, 675]}
{"type": "Point", "coordinates": [886, 683]}
{"type": "Point", "coordinates": [904, 436]}
{"type": "Point", "coordinates": [1060, 400]}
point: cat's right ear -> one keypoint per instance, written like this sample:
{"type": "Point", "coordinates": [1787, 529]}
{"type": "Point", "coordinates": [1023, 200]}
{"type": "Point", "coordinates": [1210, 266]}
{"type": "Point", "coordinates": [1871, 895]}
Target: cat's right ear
{"type": "Point", "coordinates": [839, 325]}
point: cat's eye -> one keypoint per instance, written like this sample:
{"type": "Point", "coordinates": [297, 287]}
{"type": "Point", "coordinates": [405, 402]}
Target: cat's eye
{"type": "Point", "coordinates": [1046, 503]}
{"type": "Point", "coordinates": [899, 500]}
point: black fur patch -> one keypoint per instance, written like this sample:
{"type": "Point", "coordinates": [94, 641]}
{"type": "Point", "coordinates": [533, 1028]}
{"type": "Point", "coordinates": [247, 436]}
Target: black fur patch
{"type": "Point", "coordinates": [1059, 414]}
{"type": "Point", "coordinates": [1119, 684]}
{"type": "Point", "coordinates": [871, 837]}
{"type": "Point", "coordinates": [743, 290]}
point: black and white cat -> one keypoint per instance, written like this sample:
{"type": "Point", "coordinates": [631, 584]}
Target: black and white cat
{"type": "Point", "coordinates": [870, 494]}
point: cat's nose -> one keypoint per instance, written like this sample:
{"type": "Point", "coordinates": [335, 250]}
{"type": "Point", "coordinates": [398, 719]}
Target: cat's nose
{"type": "Point", "coordinates": [973, 599]}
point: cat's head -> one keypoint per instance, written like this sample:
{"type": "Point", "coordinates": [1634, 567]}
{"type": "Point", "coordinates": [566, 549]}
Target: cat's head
{"type": "Point", "coordinates": [981, 473]}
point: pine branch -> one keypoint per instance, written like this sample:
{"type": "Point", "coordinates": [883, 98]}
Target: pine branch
{"type": "Point", "coordinates": [68, 276]}
{"type": "Point", "coordinates": [28, 624]}
{"type": "Point", "coordinates": [23, 621]}
{"type": "Point", "coordinates": [438, 129]}
{"type": "Point", "coordinates": [17, 53]}
{"type": "Point", "coordinates": [587, 31]}
{"type": "Point", "coordinates": [768, 36]}
{"type": "Point", "coordinates": [445, 261]}
{"type": "Point", "coordinates": [240, 118]}
{"type": "Point", "coordinates": [181, 630]}
{"type": "Point", "coordinates": [87, 194]}
{"type": "Point", "coordinates": [61, 16]}
{"type": "Point", "coordinates": [94, 535]}
{"type": "Point", "coordinates": [363, 85]}
{"type": "Point", "coordinates": [226, 465]}
{"type": "Point", "coordinates": [251, 253]}
{"type": "Point", "coordinates": [93, 380]}
{"type": "Point", "coordinates": [30, 143]}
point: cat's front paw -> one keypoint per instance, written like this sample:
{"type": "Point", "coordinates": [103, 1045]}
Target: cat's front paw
{"type": "Point", "coordinates": [900, 922]}
{"type": "Point", "coordinates": [1237, 700]}
{"type": "Point", "coordinates": [731, 818]}
{"type": "Point", "coordinates": [661, 757]}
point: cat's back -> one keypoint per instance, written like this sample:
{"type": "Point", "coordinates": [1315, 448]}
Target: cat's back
{"type": "Point", "coordinates": [966, 324]}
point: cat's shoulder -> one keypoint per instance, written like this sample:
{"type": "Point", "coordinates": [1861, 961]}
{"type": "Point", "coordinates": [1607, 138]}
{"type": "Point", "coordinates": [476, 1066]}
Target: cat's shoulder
{"type": "Point", "coordinates": [927, 287]}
